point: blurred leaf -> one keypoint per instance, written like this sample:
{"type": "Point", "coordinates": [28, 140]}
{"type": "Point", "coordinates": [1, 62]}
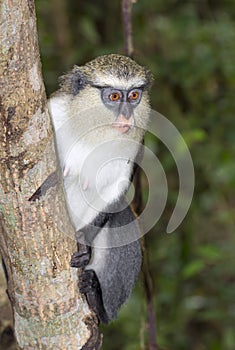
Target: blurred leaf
{"type": "Point", "coordinates": [209, 252]}
{"type": "Point", "coordinates": [193, 268]}
{"type": "Point", "coordinates": [88, 30]}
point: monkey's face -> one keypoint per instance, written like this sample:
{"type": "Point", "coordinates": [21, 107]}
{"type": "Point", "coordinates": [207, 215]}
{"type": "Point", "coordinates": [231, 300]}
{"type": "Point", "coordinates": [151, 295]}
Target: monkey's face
{"type": "Point", "coordinates": [122, 103]}
{"type": "Point", "coordinates": [112, 111]}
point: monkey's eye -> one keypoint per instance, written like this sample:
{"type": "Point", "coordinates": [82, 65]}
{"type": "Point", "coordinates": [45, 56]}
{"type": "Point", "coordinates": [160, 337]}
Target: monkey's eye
{"type": "Point", "coordinates": [133, 96]}
{"type": "Point", "coordinates": [115, 96]}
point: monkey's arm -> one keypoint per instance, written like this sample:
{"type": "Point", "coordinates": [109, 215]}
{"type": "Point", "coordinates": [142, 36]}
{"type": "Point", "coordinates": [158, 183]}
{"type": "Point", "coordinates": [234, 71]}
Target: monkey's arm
{"type": "Point", "coordinates": [51, 181]}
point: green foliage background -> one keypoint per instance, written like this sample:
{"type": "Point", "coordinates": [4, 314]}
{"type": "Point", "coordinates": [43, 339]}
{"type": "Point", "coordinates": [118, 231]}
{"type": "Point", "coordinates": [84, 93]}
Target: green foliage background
{"type": "Point", "coordinates": [190, 48]}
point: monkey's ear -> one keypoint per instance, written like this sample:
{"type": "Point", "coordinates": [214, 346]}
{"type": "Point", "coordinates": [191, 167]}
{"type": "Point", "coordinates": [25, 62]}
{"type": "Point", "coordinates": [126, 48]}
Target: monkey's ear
{"type": "Point", "coordinates": [150, 78]}
{"type": "Point", "coordinates": [73, 81]}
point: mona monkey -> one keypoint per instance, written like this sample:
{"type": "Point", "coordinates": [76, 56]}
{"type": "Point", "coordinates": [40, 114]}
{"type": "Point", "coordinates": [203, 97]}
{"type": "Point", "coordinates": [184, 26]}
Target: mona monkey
{"type": "Point", "coordinates": [100, 114]}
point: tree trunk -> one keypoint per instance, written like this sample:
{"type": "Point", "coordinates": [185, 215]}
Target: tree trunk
{"type": "Point", "coordinates": [36, 237]}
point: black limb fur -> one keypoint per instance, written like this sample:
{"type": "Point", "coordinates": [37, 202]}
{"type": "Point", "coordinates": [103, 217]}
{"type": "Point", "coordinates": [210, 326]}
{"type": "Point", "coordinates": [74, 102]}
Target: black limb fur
{"type": "Point", "coordinates": [5, 270]}
{"type": "Point", "coordinates": [51, 181]}
{"type": "Point", "coordinates": [89, 285]}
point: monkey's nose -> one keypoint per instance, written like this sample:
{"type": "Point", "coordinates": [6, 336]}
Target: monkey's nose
{"type": "Point", "coordinates": [122, 124]}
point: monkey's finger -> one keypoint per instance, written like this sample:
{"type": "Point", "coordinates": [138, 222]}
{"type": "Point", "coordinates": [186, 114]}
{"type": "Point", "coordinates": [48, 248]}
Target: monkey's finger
{"type": "Point", "coordinates": [85, 185]}
{"type": "Point", "coordinates": [65, 171]}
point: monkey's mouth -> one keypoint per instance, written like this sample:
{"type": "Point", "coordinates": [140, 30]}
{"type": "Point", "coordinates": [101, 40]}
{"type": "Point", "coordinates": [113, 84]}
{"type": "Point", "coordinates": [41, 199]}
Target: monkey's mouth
{"type": "Point", "coordinates": [122, 124]}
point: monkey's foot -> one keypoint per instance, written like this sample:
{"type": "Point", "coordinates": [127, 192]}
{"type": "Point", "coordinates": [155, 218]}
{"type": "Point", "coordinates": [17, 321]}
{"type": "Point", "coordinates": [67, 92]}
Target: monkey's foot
{"type": "Point", "coordinates": [80, 259]}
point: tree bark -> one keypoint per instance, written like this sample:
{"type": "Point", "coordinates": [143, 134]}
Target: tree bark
{"type": "Point", "coordinates": [36, 237]}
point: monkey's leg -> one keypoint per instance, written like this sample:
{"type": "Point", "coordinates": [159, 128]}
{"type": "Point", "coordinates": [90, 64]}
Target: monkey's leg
{"type": "Point", "coordinates": [89, 285]}
{"type": "Point", "coordinates": [88, 282]}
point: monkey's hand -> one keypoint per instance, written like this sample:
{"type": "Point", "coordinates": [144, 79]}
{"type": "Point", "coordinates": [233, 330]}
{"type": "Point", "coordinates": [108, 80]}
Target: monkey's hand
{"type": "Point", "coordinates": [89, 285]}
{"type": "Point", "coordinates": [81, 258]}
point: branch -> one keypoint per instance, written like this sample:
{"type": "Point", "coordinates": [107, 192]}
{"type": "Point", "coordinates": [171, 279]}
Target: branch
{"type": "Point", "coordinates": [138, 201]}
{"type": "Point", "coordinates": [148, 286]}
{"type": "Point", "coordinates": [127, 26]}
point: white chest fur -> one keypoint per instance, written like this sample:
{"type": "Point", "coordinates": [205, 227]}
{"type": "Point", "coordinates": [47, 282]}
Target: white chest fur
{"type": "Point", "coordinates": [95, 179]}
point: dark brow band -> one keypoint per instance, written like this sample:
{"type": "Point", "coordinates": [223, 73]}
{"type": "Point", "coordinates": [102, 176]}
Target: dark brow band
{"type": "Point", "coordinates": [97, 86]}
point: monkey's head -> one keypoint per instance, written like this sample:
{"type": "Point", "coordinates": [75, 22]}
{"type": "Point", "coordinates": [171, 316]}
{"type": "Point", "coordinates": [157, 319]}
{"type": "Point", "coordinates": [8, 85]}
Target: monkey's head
{"type": "Point", "coordinates": [116, 86]}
